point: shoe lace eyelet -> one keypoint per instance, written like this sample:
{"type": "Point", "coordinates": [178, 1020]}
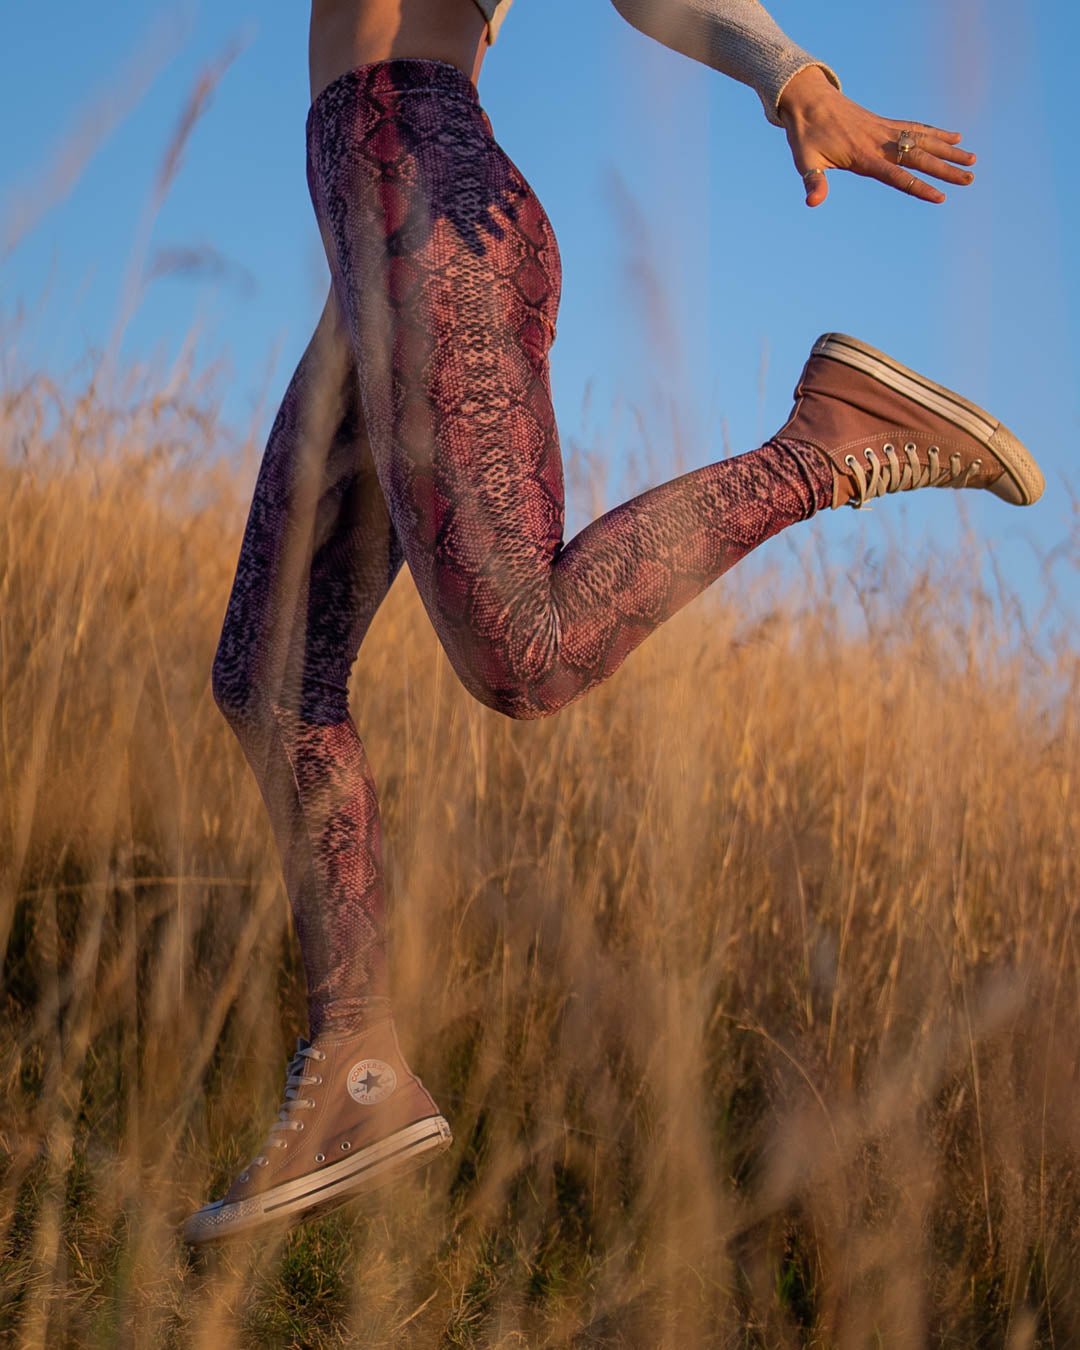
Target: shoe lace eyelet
{"type": "Point", "coordinates": [345, 1146]}
{"type": "Point", "coordinates": [245, 1176]}
{"type": "Point", "coordinates": [320, 1157]}
{"type": "Point", "coordinates": [299, 1124]}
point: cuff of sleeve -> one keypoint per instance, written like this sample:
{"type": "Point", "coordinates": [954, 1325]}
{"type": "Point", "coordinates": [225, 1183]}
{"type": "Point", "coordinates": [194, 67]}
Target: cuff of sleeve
{"type": "Point", "coordinates": [770, 94]}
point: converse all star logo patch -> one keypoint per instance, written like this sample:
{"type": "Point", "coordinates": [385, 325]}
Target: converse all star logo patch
{"type": "Point", "coordinates": [371, 1081]}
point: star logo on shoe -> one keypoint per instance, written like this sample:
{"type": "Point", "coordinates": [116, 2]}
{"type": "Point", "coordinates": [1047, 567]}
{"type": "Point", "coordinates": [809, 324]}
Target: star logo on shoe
{"type": "Point", "coordinates": [371, 1081]}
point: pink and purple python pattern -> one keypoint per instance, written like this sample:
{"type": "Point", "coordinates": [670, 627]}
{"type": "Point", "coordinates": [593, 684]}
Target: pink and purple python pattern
{"type": "Point", "coordinates": [419, 426]}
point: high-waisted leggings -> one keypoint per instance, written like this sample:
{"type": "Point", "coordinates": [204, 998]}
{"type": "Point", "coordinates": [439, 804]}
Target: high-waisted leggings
{"type": "Point", "coordinates": [418, 427]}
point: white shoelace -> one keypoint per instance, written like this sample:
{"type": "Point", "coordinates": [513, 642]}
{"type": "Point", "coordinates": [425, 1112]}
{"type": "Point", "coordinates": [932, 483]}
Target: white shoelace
{"type": "Point", "coordinates": [296, 1079]}
{"type": "Point", "coordinates": [892, 476]}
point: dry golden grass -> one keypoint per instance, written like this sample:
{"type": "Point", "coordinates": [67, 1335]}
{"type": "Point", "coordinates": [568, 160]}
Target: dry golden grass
{"type": "Point", "coordinates": [749, 983]}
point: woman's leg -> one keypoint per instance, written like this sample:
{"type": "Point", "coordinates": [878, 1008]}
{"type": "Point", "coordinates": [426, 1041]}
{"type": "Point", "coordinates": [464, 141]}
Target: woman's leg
{"type": "Point", "coordinates": [318, 555]}
{"type": "Point", "coordinates": [448, 275]}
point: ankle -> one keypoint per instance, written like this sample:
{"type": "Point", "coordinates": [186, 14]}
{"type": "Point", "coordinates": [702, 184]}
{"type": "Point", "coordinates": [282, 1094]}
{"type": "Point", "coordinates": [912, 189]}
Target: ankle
{"type": "Point", "coordinates": [347, 1017]}
{"type": "Point", "coordinates": [826, 486]}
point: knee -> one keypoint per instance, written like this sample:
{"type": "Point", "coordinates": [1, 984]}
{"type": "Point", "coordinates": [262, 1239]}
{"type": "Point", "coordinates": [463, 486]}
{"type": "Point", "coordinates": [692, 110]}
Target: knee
{"type": "Point", "coordinates": [515, 703]}
{"type": "Point", "coordinates": [253, 704]}
{"type": "Point", "coordinates": [239, 698]}
{"type": "Point", "coordinates": [519, 677]}
{"type": "Point", "coordinates": [503, 692]}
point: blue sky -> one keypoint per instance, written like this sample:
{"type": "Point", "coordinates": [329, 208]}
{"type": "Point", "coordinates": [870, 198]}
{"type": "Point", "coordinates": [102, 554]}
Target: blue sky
{"type": "Point", "coordinates": [695, 279]}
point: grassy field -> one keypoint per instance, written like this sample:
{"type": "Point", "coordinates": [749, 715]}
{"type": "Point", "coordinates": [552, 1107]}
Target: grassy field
{"type": "Point", "coordinates": [749, 984]}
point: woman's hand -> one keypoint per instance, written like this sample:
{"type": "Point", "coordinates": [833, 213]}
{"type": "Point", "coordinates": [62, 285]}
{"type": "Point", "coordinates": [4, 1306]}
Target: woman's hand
{"type": "Point", "coordinates": [827, 130]}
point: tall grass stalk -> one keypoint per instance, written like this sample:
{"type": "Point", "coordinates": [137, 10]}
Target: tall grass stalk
{"type": "Point", "coordinates": [748, 982]}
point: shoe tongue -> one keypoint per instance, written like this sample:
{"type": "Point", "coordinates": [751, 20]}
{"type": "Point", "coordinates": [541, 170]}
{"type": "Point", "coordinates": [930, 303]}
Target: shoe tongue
{"type": "Point", "coordinates": [297, 1060]}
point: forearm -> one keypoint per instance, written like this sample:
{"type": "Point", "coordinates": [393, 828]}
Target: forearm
{"type": "Point", "coordinates": [737, 37]}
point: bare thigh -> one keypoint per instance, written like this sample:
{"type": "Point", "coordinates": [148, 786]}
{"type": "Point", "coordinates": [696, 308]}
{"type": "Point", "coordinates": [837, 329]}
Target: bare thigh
{"type": "Point", "coordinates": [349, 33]}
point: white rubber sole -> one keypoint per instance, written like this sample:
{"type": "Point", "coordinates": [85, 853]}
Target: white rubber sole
{"type": "Point", "coordinates": [392, 1157]}
{"type": "Point", "coordinates": [1026, 478]}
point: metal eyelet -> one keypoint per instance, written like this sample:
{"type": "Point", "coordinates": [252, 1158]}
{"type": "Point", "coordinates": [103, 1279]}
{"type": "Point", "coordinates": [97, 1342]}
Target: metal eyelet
{"type": "Point", "coordinates": [910, 448]}
{"type": "Point", "coordinates": [345, 1146]}
{"type": "Point", "coordinates": [320, 1157]}
{"type": "Point", "coordinates": [299, 1124]}
{"type": "Point", "coordinates": [318, 1078]}
{"type": "Point", "coordinates": [245, 1176]}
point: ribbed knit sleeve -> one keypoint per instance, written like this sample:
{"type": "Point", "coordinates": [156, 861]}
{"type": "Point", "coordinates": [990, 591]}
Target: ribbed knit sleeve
{"type": "Point", "coordinates": [737, 37]}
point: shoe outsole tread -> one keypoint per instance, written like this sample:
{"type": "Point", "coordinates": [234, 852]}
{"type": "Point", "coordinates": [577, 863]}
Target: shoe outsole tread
{"type": "Point", "coordinates": [320, 1192]}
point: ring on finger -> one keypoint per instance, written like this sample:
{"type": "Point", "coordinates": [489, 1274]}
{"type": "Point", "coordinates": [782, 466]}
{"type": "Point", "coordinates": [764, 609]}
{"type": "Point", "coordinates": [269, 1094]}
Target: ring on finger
{"type": "Point", "coordinates": [810, 173]}
{"type": "Point", "coordinates": [904, 142]}
{"type": "Point", "coordinates": [910, 183]}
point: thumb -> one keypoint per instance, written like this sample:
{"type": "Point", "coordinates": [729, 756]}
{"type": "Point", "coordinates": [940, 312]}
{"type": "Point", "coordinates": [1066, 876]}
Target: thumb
{"type": "Point", "coordinates": [812, 168]}
{"type": "Point", "coordinates": [816, 184]}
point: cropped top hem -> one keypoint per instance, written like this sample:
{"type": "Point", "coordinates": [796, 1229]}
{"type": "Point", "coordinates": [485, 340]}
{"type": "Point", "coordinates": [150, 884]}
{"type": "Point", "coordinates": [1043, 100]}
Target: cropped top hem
{"type": "Point", "coordinates": [494, 11]}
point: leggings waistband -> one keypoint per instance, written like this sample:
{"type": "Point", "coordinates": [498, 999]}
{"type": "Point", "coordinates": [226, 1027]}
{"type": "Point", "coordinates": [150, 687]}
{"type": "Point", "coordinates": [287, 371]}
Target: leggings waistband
{"type": "Point", "coordinates": [392, 77]}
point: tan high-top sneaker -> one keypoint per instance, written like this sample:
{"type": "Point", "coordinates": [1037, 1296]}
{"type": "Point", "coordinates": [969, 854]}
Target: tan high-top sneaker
{"type": "Point", "coordinates": [354, 1117]}
{"type": "Point", "coordinates": [886, 428]}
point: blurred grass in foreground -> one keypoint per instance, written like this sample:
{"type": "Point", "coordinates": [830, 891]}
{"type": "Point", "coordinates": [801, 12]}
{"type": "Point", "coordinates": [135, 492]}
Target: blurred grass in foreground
{"type": "Point", "coordinates": [748, 983]}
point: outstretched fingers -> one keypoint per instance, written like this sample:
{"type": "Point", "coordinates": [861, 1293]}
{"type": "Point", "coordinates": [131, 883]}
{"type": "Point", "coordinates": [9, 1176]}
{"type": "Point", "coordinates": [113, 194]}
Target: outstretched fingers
{"type": "Point", "coordinates": [826, 130]}
{"type": "Point", "coordinates": [904, 147]}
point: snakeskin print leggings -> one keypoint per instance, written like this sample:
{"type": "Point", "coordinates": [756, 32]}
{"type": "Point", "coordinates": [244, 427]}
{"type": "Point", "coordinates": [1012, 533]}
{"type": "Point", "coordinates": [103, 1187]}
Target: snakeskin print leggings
{"type": "Point", "coordinates": [418, 427]}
